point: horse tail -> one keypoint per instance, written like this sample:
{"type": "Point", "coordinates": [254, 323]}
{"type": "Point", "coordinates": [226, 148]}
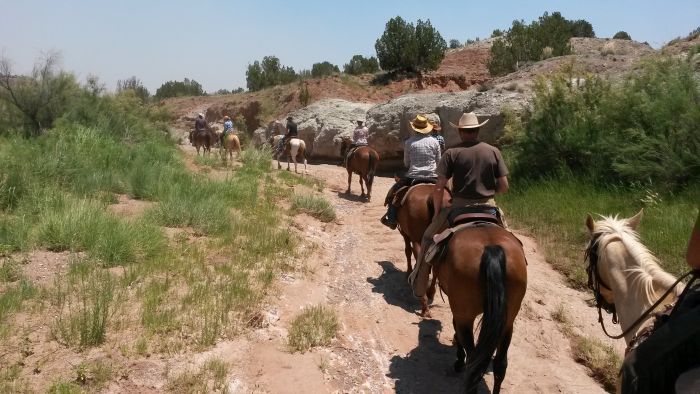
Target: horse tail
{"type": "Point", "coordinates": [370, 171]}
{"type": "Point", "coordinates": [492, 276]}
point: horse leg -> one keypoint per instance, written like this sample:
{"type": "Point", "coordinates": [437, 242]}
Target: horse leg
{"type": "Point", "coordinates": [464, 339]}
{"type": "Point", "coordinates": [362, 187]}
{"type": "Point", "coordinates": [500, 362]}
{"type": "Point", "coordinates": [295, 164]}
{"type": "Point", "coordinates": [408, 249]}
{"type": "Point", "coordinates": [349, 180]}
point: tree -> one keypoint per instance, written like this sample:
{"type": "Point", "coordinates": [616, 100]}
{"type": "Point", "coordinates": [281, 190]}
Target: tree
{"type": "Point", "coordinates": [454, 44]}
{"type": "Point", "coordinates": [522, 42]}
{"type": "Point", "coordinates": [38, 99]}
{"type": "Point", "coordinates": [188, 87]}
{"type": "Point", "coordinates": [405, 47]}
{"type": "Point", "coordinates": [361, 65]}
{"type": "Point", "coordinates": [622, 35]}
{"type": "Point", "coordinates": [268, 72]}
{"type": "Point", "coordinates": [136, 85]}
{"type": "Point", "coordinates": [323, 69]}
{"type": "Point", "coordinates": [304, 94]}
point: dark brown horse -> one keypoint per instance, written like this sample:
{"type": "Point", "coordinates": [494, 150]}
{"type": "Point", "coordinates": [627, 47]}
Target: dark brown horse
{"type": "Point", "coordinates": [202, 139]}
{"type": "Point", "coordinates": [483, 271]}
{"type": "Point", "coordinates": [413, 216]}
{"type": "Point", "coordinates": [364, 163]}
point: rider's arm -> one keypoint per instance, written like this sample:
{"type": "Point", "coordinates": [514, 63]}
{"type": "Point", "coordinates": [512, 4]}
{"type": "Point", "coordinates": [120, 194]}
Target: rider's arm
{"type": "Point", "coordinates": [692, 256]}
{"type": "Point", "coordinates": [501, 185]}
{"type": "Point", "coordinates": [438, 194]}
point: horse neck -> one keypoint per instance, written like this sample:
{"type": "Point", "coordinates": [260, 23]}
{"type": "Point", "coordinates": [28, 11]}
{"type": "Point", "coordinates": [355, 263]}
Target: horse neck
{"type": "Point", "coordinates": [636, 283]}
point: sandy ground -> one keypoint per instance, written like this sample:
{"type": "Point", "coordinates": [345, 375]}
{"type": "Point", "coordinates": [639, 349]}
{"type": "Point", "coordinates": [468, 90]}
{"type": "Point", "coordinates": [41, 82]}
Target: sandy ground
{"type": "Point", "coordinates": [383, 345]}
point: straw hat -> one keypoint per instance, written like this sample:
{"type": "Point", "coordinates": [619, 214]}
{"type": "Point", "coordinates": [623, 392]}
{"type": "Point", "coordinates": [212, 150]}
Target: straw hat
{"type": "Point", "coordinates": [201, 115]}
{"type": "Point", "coordinates": [227, 118]}
{"type": "Point", "coordinates": [468, 121]}
{"type": "Point", "coordinates": [421, 124]}
{"type": "Point", "coordinates": [358, 120]}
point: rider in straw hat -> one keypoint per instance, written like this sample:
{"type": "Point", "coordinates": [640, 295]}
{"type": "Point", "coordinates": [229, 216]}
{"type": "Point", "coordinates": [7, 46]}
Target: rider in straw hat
{"type": "Point", "coordinates": [478, 174]}
{"type": "Point", "coordinates": [359, 138]}
{"type": "Point", "coordinates": [420, 154]}
{"type": "Point", "coordinates": [228, 128]}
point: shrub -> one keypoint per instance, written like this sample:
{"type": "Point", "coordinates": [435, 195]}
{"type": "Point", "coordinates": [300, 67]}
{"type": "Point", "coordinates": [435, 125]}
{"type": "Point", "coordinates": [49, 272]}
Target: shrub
{"type": "Point", "coordinates": [522, 43]}
{"type": "Point", "coordinates": [188, 87]}
{"type": "Point", "coordinates": [323, 69]}
{"type": "Point", "coordinates": [622, 35]}
{"type": "Point", "coordinates": [315, 206]}
{"type": "Point", "coordinates": [642, 130]}
{"type": "Point", "coordinates": [361, 65]}
{"type": "Point", "coordinates": [454, 44]}
{"type": "Point", "coordinates": [411, 48]}
{"type": "Point", "coordinates": [304, 95]}
{"type": "Point", "coordinates": [136, 86]}
{"type": "Point", "coordinates": [269, 72]}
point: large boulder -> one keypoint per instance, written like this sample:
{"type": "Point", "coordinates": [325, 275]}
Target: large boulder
{"type": "Point", "coordinates": [389, 123]}
{"type": "Point", "coordinates": [321, 125]}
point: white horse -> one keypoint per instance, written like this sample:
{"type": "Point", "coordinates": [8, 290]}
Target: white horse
{"type": "Point", "coordinates": [626, 276]}
{"type": "Point", "coordinates": [630, 276]}
{"type": "Point", "coordinates": [294, 148]}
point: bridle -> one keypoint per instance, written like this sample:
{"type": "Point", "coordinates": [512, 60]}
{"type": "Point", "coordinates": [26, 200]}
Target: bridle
{"type": "Point", "coordinates": [595, 282]}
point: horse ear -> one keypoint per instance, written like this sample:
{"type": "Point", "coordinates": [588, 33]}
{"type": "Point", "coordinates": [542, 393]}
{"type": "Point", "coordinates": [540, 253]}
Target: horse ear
{"type": "Point", "coordinates": [634, 220]}
{"type": "Point", "coordinates": [589, 222]}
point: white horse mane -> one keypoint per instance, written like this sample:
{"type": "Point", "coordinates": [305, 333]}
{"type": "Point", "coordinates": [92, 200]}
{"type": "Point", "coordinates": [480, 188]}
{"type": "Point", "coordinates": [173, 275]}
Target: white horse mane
{"type": "Point", "coordinates": [647, 271]}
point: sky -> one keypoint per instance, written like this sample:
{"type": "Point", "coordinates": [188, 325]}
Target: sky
{"type": "Point", "coordinates": [214, 41]}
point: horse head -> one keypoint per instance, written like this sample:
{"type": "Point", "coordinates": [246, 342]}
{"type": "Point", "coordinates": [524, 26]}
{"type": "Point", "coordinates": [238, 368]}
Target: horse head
{"type": "Point", "coordinates": [344, 145]}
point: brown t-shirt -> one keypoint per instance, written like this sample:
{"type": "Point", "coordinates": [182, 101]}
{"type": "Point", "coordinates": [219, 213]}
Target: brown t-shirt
{"type": "Point", "coordinates": [473, 167]}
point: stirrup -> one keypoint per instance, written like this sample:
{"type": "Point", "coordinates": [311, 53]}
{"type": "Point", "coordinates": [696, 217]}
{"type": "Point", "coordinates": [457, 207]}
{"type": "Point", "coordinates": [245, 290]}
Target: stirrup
{"type": "Point", "coordinates": [385, 221]}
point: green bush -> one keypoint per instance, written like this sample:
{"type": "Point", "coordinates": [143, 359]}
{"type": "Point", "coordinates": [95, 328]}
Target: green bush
{"type": "Point", "coordinates": [361, 65]}
{"type": "Point", "coordinates": [269, 72]}
{"type": "Point", "coordinates": [188, 87]}
{"type": "Point", "coordinates": [323, 69]}
{"type": "Point", "coordinates": [315, 326]}
{"type": "Point", "coordinates": [136, 85]}
{"type": "Point", "coordinates": [454, 44]}
{"type": "Point", "coordinates": [410, 48]}
{"type": "Point", "coordinates": [622, 35]}
{"type": "Point", "coordinates": [523, 43]}
{"type": "Point", "coordinates": [642, 131]}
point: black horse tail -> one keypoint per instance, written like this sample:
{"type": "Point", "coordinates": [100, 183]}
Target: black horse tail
{"type": "Point", "coordinates": [370, 170]}
{"type": "Point", "coordinates": [492, 273]}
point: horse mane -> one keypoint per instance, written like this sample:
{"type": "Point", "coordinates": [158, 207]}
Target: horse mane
{"type": "Point", "coordinates": [647, 271]}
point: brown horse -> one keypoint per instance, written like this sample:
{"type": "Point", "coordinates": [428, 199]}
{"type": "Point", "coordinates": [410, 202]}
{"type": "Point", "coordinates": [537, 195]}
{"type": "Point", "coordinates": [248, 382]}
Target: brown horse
{"type": "Point", "coordinates": [413, 217]}
{"type": "Point", "coordinates": [484, 271]}
{"type": "Point", "coordinates": [364, 163]}
{"type": "Point", "coordinates": [202, 139]}
{"type": "Point", "coordinates": [231, 144]}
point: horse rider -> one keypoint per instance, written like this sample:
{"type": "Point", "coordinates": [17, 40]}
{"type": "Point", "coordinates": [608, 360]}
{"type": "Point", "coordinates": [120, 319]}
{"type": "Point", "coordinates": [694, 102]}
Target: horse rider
{"type": "Point", "coordinates": [200, 124]}
{"type": "Point", "coordinates": [291, 133]}
{"type": "Point", "coordinates": [420, 154]}
{"type": "Point", "coordinates": [670, 356]}
{"type": "Point", "coordinates": [435, 121]}
{"type": "Point", "coordinates": [228, 128]}
{"type": "Point", "coordinates": [359, 138]}
{"type": "Point", "coordinates": [478, 174]}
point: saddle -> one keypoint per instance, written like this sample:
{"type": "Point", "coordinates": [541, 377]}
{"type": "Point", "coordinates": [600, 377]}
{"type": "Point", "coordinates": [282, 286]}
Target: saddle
{"type": "Point", "coordinates": [400, 195]}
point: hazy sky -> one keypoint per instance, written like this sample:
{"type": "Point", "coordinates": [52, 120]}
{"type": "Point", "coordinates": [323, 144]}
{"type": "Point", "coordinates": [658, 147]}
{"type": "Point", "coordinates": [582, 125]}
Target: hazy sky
{"type": "Point", "coordinates": [214, 41]}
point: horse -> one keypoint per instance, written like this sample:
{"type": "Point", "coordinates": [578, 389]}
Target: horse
{"type": "Point", "coordinates": [628, 282]}
{"type": "Point", "coordinates": [294, 148]}
{"type": "Point", "coordinates": [413, 216]}
{"type": "Point", "coordinates": [483, 270]}
{"type": "Point", "coordinates": [363, 162]}
{"type": "Point", "coordinates": [231, 144]}
{"type": "Point", "coordinates": [202, 139]}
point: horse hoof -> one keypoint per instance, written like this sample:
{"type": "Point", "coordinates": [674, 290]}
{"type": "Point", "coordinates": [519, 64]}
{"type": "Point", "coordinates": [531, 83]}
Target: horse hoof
{"type": "Point", "coordinates": [426, 314]}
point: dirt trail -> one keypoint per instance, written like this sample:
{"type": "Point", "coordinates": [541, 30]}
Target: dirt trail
{"type": "Point", "coordinates": [383, 345]}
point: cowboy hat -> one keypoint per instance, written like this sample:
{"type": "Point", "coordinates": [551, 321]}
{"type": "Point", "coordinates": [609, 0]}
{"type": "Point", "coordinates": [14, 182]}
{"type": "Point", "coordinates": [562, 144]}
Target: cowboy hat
{"type": "Point", "coordinates": [201, 115]}
{"type": "Point", "coordinates": [226, 117]}
{"type": "Point", "coordinates": [468, 121]}
{"type": "Point", "coordinates": [360, 120]}
{"type": "Point", "coordinates": [421, 124]}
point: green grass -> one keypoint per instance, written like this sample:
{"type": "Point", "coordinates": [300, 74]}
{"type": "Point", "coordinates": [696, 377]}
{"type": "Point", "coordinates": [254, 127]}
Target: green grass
{"type": "Point", "coordinates": [10, 270]}
{"type": "Point", "coordinates": [64, 388]}
{"type": "Point", "coordinates": [314, 326]}
{"type": "Point", "coordinates": [84, 299]}
{"type": "Point", "coordinates": [11, 380]}
{"type": "Point", "coordinates": [211, 377]}
{"type": "Point", "coordinates": [13, 296]}
{"type": "Point", "coordinates": [315, 206]}
{"type": "Point", "coordinates": [554, 212]}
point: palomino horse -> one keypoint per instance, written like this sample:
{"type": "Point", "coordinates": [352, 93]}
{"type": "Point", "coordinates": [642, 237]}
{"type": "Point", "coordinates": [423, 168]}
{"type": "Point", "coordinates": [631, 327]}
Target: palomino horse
{"type": "Point", "coordinates": [628, 282]}
{"type": "Point", "coordinates": [364, 163]}
{"type": "Point", "coordinates": [294, 148]}
{"type": "Point", "coordinates": [202, 139]}
{"type": "Point", "coordinates": [413, 216]}
{"type": "Point", "coordinates": [484, 271]}
{"type": "Point", "coordinates": [231, 144]}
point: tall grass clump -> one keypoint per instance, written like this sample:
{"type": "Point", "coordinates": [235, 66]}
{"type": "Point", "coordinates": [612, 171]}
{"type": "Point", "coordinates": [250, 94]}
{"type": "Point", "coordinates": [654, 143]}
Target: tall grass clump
{"type": "Point", "coordinates": [315, 206]}
{"type": "Point", "coordinates": [84, 299]}
{"type": "Point", "coordinates": [315, 326]}
{"type": "Point", "coordinates": [640, 131]}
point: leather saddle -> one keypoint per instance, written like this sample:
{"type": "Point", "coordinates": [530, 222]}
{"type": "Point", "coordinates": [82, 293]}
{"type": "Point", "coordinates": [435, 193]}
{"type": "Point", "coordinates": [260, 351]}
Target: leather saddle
{"type": "Point", "coordinates": [472, 213]}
